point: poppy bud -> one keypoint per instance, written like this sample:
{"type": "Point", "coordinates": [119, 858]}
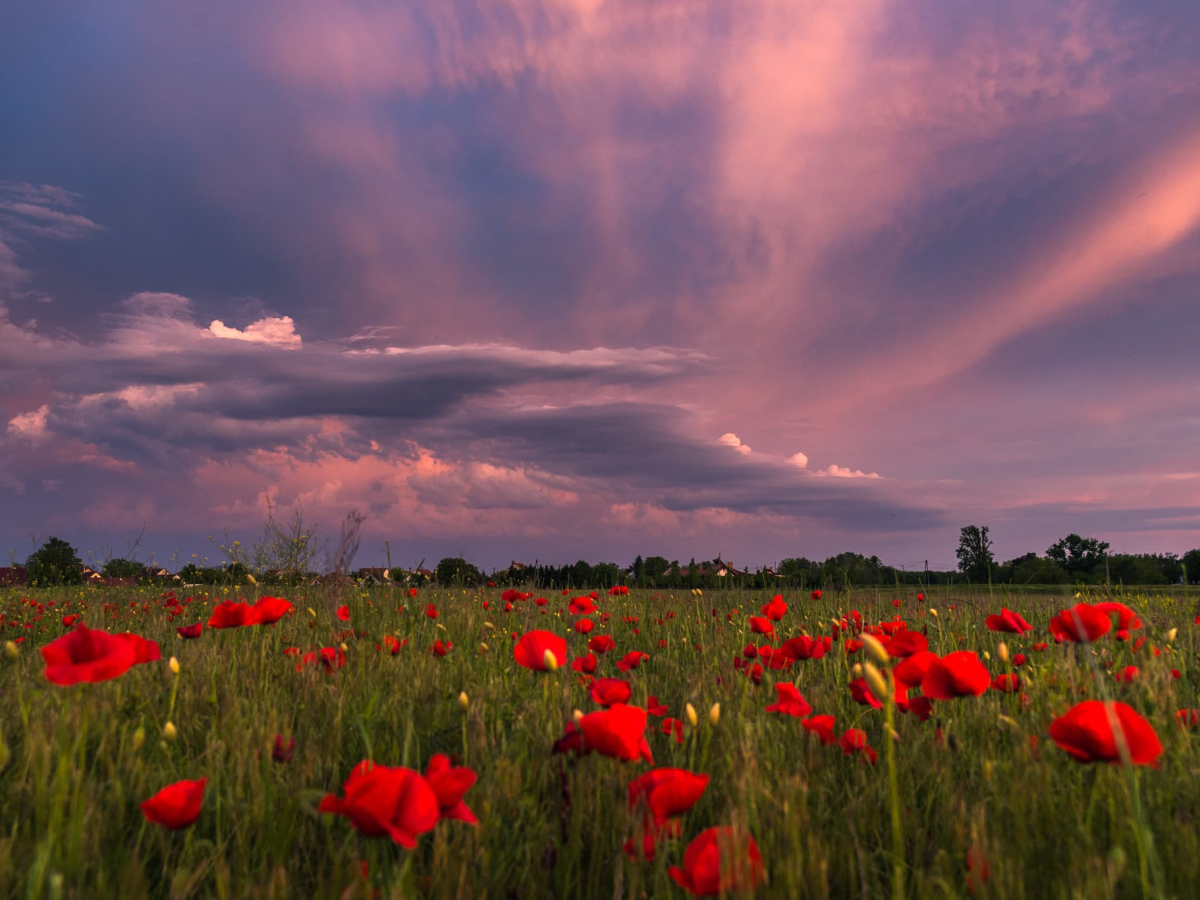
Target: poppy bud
{"type": "Point", "coordinates": [691, 715]}
{"type": "Point", "coordinates": [714, 714]}
{"type": "Point", "coordinates": [170, 732]}
{"type": "Point", "coordinates": [577, 716]}
{"type": "Point", "coordinates": [312, 612]}
{"type": "Point", "coordinates": [343, 646]}
{"type": "Point", "coordinates": [875, 681]}
{"type": "Point", "coordinates": [986, 655]}
{"type": "Point", "coordinates": [875, 649]}
{"type": "Point", "coordinates": [251, 578]}
{"type": "Point", "coordinates": [463, 700]}
{"type": "Point", "coordinates": [483, 646]}
{"type": "Point", "coordinates": [550, 661]}
{"type": "Point", "coordinates": [1002, 652]}
{"type": "Point", "coordinates": [489, 625]}
{"type": "Point", "coordinates": [441, 626]}
{"type": "Point", "coordinates": [1171, 635]}
{"type": "Point", "coordinates": [11, 650]}
{"type": "Point", "coordinates": [933, 612]}
{"type": "Point", "coordinates": [173, 665]}
{"type": "Point", "coordinates": [857, 670]}
{"type": "Point", "coordinates": [139, 738]}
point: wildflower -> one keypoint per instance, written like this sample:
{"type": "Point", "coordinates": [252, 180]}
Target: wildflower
{"type": "Point", "coordinates": [281, 752]}
{"type": "Point", "coordinates": [1081, 624]}
{"type": "Point", "coordinates": [173, 665]}
{"type": "Point", "coordinates": [175, 806]}
{"type": "Point", "coordinates": [386, 801]}
{"type": "Point", "coordinates": [85, 655]}
{"type": "Point", "coordinates": [607, 691]}
{"type": "Point", "coordinates": [690, 712]}
{"type": "Point", "coordinates": [1086, 732]}
{"type": "Point", "coordinates": [541, 651]}
{"type": "Point", "coordinates": [190, 632]}
{"type": "Point", "coordinates": [821, 726]}
{"type": "Point", "coordinates": [720, 860]}
{"type": "Point", "coordinates": [789, 701]}
{"type": "Point", "coordinates": [170, 732]}
{"type": "Point", "coordinates": [714, 714]}
{"type": "Point", "coordinates": [958, 674]}
{"type": "Point", "coordinates": [1008, 621]}
{"type": "Point", "coordinates": [449, 783]}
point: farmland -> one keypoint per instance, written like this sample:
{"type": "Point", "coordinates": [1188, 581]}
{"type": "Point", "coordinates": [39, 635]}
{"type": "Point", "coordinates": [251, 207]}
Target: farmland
{"type": "Point", "coordinates": [970, 796]}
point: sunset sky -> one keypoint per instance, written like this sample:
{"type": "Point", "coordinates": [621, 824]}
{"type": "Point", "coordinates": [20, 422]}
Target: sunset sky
{"type": "Point", "coordinates": [572, 278]}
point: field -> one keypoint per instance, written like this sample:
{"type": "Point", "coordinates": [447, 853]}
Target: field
{"type": "Point", "coordinates": [978, 799]}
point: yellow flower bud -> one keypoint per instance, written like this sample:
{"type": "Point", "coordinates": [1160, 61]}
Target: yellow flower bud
{"type": "Point", "coordinates": [251, 578]}
{"type": "Point", "coordinates": [343, 646]}
{"type": "Point", "coordinates": [856, 670]}
{"type": "Point", "coordinates": [875, 649]}
{"type": "Point", "coordinates": [577, 715]}
{"type": "Point", "coordinates": [550, 661]}
{"type": "Point", "coordinates": [483, 646]}
{"type": "Point", "coordinates": [441, 626]}
{"type": "Point", "coordinates": [139, 738]}
{"type": "Point", "coordinates": [987, 655]}
{"type": "Point", "coordinates": [691, 715]}
{"type": "Point", "coordinates": [11, 650]}
{"type": "Point", "coordinates": [173, 665]}
{"type": "Point", "coordinates": [170, 732]}
{"type": "Point", "coordinates": [312, 612]}
{"type": "Point", "coordinates": [875, 681]}
{"type": "Point", "coordinates": [933, 612]}
{"type": "Point", "coordinates": [463, 700]}
{"type": "Point", "coordinates": [714, 714]}
{"type": "Point", "coordinates": [1171, 635]}
{"type": "Point", "coordinates": [1002, 652]}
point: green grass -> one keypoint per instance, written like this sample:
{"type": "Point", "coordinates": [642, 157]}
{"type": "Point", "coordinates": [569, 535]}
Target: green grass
{"type": "Point", "coordinates": [70, 825]}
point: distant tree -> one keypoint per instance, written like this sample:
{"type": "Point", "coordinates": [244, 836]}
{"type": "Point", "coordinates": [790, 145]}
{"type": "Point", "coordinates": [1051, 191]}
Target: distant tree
{"type": "Point", "coordinates": [55, 562]}
{"type": "Point", "coordinates": [456, 570]}
{"type": "Point", "coordinates": [606, 574]}
{"type": "Point", "coordinates": [636, 570]}
{"type": "Point", "coordinates": [1191, 562]}
{"type": "Point", "coordinates": [122, 568]}
{"type": "Point", "coordinates": [1034, 569]}
{"type": "Point", "coordinates": [1080, 556]}
{"type": "Point", "coordinates": [654, 570]}
{"type": "Point", "coordinates": [974, 553]}
{"type": "Point", "coordinates": [1140, 568]}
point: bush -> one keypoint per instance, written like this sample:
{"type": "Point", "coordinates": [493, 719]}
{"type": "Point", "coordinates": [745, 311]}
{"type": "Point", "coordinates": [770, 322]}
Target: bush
{"type": "Point", "coordinates": [55, 562]}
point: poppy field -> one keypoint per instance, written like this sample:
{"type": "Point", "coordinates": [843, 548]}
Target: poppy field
{"type": "Point", "coordinates": [386, 742]}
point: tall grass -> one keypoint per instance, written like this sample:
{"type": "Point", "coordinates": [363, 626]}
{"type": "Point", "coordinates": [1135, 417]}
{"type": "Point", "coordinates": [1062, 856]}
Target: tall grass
{"type": "Point", "coordinates": [969, 779]}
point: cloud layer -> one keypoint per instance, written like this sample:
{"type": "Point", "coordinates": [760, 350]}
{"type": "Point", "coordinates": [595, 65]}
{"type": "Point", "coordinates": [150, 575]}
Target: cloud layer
{"type": "Point", "coordinates": [587, 274]}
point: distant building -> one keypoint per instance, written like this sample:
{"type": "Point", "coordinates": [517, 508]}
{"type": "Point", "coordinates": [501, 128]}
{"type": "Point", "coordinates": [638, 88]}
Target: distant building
{"type": "Point", "coordinates": [13, 575]}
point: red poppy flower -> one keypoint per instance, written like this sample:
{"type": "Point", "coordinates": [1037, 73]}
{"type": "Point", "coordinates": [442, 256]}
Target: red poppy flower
{"type": "Point", "coordinates": [618, 732]}
{"type": "Point", "coordinates": [821, 726]}
{"type": "Point", "coordinates": [582, 606]}
{"type": "Point", "coordinates": [268, 610]}
{"type": "Point", "coordinates": [601, 643]}
{"type": "Point", "coordinates": [541, 601]}
{"type": "Point", "coordinates": [816, 595]}
{"type": "Point", "coordinates": [586, 664]}
{"type": "Point", "coordinates": [761, 625]}
{"type": "Point", "coordinates": [449, 783]}
{"type": "Point", "coordinates": [977, 870]}
{"type": "Point", "coordinates": [789, 702]}
{"type": "Point", "coordinates": [667, 793]}
{"type": "Point", "coordinates": [921, 707]}
{"type": "Point", "coordinates": [958, 674]}
{"type": "Point", "coordinates": [1188, 718]}
{"type": "Point", "coordinates": [673, 726]}
{"type": "Point", "coordinates": [1126, 618]}
{"type": "Point", "coordinates": [144, 651]}
{"type": "Point", "coordinates": [1019, 660]}
{"type": "Point", "coordinates": [1086, 732]}
{"type": "Point", "coordinates": [607, 691]}
{"type": "Point", "coordinates": [231, 614]}
{"type": "Point", "coordinates": [654, 708]}
{"type": "Point", "coordinates": [175, 806]}
{"type": "Point", "coordinates": [1128, 674]}
{"type": "Point", "coordinates": [904, 644]}
{"type": "Point", "coordinates": [776, 609]}
{"type": "Point", "coordinates": [382, 800]}
{"type": "Point", "coordinates": [441, 648]}
{"type": "Point", "coordinates": [87, 655]}
{"type": "Point", "coordinates": [530, 650]}
{"type": "Point", "coordinates": [68, 621]}
{"type": "Point", "coordinates": [584, 626]}
{"type": "Point", "coordinates": [1081, 624]}
{"type": "Point", "coordinates": [281, 752]}
{"type": "Point", "coordinates": [720, 860]}
{"type": "Point", "coordinates": [190, 632]}
{"type": "Point", "coordinates": [863, 694]}
{"type": "Point", "coordinates": [854, 740]}
{"type": "Point", "coordinates": [755, 673]}
{"type": "Point", "coordinates": [803, 647]}
{"type": "Point", "coordinates": [412, 592]}
{"type": "Point", "coordinates": [1007, 683]}
{"type": "Point", "coordinates": [632, 660]}
{"type": "Point", "coordinates": [1009, 622]}
{"type": "Point", "coordinates": [921, 598]}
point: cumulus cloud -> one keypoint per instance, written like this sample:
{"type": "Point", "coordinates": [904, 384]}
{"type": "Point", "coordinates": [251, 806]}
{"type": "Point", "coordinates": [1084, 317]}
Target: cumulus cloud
{"type": "Point", "coordinates": [279, 331]}
{"type": "Point", "coordinates": [836, 471]}
{"type": "Point", "coordinates": [31, 425]}
{"type": "Point", "coordinates": [729, 439]}
{"type": "Point", "coordinates": [799, 460]}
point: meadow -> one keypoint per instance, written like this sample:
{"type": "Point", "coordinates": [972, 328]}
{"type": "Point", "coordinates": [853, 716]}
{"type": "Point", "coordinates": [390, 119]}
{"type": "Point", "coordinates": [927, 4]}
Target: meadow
{"type": "Point", "coordinates": [970, 796]}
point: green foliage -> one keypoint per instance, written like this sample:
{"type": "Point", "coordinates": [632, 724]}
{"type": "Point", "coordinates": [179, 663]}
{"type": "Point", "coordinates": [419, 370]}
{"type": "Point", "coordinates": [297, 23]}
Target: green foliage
{"type": "Point", "coordinates": [1080, 556]}
{"type": "Point", "coordinates": [975, 559]}
{"type": "Point", "coordinates": [1191, 562]}
{"type": "Point", "coordinates": [552, 826]}
{"type": "Point", "coordinates": [457, 571]}
{"type": "Point", "coordinates": [55, 562]}
{"type": "Point", "coordinates": [122, 568]}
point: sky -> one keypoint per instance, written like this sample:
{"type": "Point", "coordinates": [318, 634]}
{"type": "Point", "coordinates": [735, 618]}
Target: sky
{"type": "Point", "coordinates": [562, 279]}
